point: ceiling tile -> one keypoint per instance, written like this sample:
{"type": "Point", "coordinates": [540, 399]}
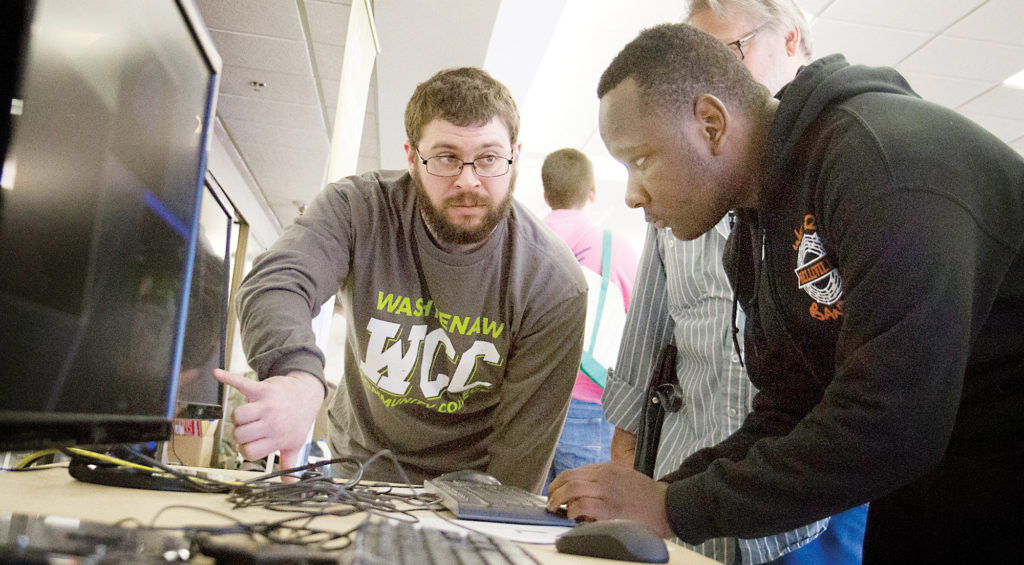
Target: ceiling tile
{"type": "Point", "coordinates": [997, 20]}
{"type": "Point", "coordinates": [261, 52]}
{"type": "Point", "coordinates": [966, 58]}
{"type": "Point", "coordinates": [328, 22]}
{"type": "Point", "coordinates": [270, 112]}
{"type": "Point", "coordinates": [1000, 101]}
{"type": "Point", "coordinates": [866, 45]}
{"type": "Point", "coordinates": [1019, 145]}
{"type": "Point", "coordinates": [286, 176]}
{"type": "Point", "coordinates": [301, 171]}
{"type": "Point", "coordinates": [283, 87]}
{"type": "Point", "coordinates": [1004, 128]}
{"type": "Point", "coordinates": [291, 137]}
{"type": "Point", "coordinates": [371, 94]}
{"type": "Point", "coordinates": [916, 15]}
{"type": "Point", "coordinates": [332, 112]}
{"type": "Point", "coordinates": [813, 8]}
{"type": "Point", "coordinates": [330, 89]}
{"type": "Point", "coordinates": [950, 92]}
{"type": "Point", "coordinates": [329, 60]}
{"type": "Point", "coordinates": [370, 130]}
{"type": "Point", "coordinates": [275, 18]}
{"type": "Point", "coordinates": [369, 142]}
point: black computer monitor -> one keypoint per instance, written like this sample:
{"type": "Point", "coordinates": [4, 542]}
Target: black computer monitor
{"type": "Point", "coordinates": [110, 120]}
{"type": "Point", "coordinates": [200, 395]}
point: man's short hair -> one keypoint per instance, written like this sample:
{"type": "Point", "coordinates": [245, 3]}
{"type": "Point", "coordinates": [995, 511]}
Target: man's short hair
{"type": "Point", "coordinates": [464, 96]}
{"type": "Point", "coordinates": [778, 13]}
{"type": "Point", "coordinates": [568, 178]}
{"type": "Point", "coordinates": [675, 63]}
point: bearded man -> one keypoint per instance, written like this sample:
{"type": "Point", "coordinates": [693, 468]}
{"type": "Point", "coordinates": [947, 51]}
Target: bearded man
{"type": "Point", "coordinates": [465, 313]}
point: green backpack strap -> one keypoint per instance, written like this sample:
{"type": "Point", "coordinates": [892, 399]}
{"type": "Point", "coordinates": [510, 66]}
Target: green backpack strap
{"type": "Point", "coordinates": [590, 367]}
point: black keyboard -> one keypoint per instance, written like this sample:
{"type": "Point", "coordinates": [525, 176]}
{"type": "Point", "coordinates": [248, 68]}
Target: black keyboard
{"type": "Point", "coordinates": [470, 500]}
{"type": "Point", "coordinates": [391, 542]}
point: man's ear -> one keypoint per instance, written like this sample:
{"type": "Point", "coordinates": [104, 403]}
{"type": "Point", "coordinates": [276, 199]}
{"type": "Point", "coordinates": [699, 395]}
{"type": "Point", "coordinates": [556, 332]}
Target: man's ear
{"type": "Point", "coordinates": [713, 120]}
{"type": "Point", "coordinates": [410, 153]}
{"type": "Point", "coordinates": [793, 41]}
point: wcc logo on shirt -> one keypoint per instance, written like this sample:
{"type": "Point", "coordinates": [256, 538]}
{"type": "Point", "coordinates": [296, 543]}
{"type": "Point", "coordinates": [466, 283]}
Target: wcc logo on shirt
{"type": "Point", "coordinates": [815, 273]}
{"type": "Point", "coordinates": [408, 363]}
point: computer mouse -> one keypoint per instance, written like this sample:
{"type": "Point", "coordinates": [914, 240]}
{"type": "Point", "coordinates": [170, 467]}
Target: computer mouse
{"type": "Point", "coordinates": [624, 540]}
{"type": "Point", "coordinates": [470, 476]}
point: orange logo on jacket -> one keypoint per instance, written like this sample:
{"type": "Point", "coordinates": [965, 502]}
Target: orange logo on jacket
{"type": "Point", "coordinates": [815, 273]}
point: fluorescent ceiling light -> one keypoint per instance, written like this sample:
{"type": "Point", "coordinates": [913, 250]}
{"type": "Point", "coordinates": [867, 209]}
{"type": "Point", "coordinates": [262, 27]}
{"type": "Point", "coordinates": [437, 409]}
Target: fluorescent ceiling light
{"type": "Point", "coordinates": [1016, 81]}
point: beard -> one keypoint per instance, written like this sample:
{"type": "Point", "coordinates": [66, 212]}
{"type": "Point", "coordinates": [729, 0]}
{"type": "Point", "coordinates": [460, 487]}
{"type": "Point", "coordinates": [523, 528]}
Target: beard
{"type": "Point", "coordinates": [437, 220]}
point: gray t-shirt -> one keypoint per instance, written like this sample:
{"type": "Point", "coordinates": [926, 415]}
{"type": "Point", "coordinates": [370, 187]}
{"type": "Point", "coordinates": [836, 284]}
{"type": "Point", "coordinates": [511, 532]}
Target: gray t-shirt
{"type": "Point", "coordinates": [452, 361]}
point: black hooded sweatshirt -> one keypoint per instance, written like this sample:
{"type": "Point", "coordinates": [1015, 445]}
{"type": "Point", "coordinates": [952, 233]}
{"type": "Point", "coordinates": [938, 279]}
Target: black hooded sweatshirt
{"type": "Point", "coordinates": [883, 283]}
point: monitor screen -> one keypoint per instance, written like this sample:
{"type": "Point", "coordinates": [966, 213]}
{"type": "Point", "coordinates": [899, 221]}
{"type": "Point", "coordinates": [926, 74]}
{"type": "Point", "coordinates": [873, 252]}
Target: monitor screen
{"type": "Point", "coordinates": [99, 218]}
{"type": "Point", "coordinates": [200, 395]}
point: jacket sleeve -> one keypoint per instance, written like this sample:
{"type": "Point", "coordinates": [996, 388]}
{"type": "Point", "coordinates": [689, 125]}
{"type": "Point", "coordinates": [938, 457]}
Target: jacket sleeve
{"type": "Point", "coordinates": [289, 282]}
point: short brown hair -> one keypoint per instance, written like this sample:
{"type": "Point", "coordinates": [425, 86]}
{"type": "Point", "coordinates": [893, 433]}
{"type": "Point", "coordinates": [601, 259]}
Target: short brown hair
{"type": "Point", "coordinates": [568, 177]}
{"type": "Point", "coordinates": [464, 96]}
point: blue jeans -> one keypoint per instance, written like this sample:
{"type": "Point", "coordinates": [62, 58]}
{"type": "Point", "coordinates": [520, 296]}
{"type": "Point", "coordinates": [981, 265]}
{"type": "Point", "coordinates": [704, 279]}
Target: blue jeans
{"type": "Point", "coordinates": [841, 543]}
{"type": "Point", "coordinates": [586, 438]}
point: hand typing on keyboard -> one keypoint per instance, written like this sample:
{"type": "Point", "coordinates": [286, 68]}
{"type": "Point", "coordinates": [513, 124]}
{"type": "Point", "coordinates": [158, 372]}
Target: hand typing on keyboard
{"type": "Point", "coordinates": [472, 500]}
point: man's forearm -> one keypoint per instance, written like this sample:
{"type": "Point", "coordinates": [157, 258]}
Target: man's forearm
{"type": "Point", "coordinates": [623, 447]}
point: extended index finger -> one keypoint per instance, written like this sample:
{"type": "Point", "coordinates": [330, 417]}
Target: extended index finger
{"type": "Point", "coordinates": [242, 384]}
{"type": "Point", "coordinates": [290, 459]}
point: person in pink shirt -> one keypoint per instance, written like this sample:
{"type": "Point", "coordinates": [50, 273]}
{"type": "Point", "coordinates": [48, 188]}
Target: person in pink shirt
{"type": "Point", "coordinates": [568, 179]}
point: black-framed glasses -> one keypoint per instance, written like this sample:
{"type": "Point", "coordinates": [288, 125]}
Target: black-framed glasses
{"type": "Point", "coordinates": [449, 166]}
{"type": "Point", "coordinates": [738, 44]}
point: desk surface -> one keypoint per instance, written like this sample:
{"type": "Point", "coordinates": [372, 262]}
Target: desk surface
{"type": "Point", "coordinates": [55, 492]}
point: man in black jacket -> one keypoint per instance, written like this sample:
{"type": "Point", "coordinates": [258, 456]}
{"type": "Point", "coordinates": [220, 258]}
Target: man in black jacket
{"type": "Point", "coordinates": [878, 260]}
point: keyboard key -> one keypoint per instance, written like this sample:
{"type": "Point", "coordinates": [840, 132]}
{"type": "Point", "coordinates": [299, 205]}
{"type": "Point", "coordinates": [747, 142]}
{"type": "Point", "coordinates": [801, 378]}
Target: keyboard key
{"type": "Point", "coordinates": [403, 543]}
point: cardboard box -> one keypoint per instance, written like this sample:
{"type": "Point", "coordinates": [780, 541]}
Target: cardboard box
{"type": "Point", "coordinates": [193, 442]}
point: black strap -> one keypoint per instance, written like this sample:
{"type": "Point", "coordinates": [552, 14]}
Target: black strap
{"type": "Point", "coordinates": [649, 435]}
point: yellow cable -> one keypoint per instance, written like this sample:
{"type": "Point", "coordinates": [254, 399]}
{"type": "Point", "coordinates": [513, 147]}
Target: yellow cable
{"type": "Point", "coordinates": [122, 462]}
{"type": "Point", "coordinates": [114, 460]}
{"type": "Point", "coordinates": [110, 459]}
{"type": "Point", "coordinates": [32, 457]}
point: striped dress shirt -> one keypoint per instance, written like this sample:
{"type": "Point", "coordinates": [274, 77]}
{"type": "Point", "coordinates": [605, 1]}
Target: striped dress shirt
{"type": "Point", "coordinates": [682, 294]}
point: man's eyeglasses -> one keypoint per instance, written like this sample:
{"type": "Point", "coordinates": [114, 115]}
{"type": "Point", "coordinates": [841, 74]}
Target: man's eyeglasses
{"type": "Point", "coordinates": [448, 166]}
{"type": "Point", "coordinates": [738, 44]}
